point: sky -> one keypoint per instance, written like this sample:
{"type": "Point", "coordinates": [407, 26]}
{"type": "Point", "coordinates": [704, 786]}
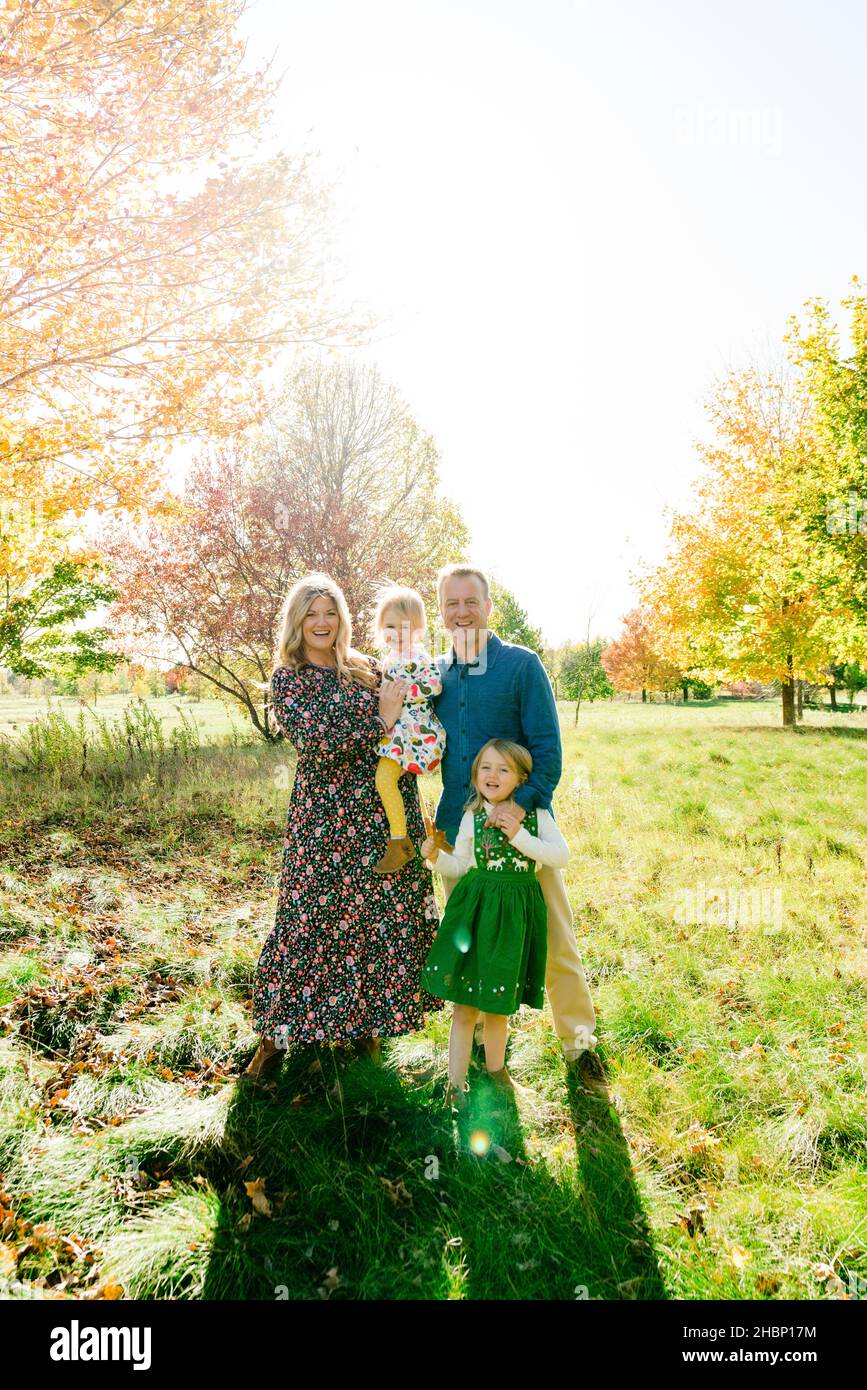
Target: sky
{"type": "Point", "coordinates": [572, 218]}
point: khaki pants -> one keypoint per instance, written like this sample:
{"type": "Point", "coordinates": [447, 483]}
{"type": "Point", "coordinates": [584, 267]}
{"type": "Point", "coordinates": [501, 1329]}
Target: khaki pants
{"type": "Point", "coordinates": [568, 994]}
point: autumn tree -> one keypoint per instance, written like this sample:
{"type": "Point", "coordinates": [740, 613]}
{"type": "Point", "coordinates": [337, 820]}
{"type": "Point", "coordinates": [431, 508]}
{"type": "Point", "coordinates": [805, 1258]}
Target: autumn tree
{"type": "Point", "coordinates": [634, 662]}
{"type": "Point", "coordinates": [739, 594]}
{"type": "Point", "coordinates": [152, 259]}
{"type": "Point", "coordinates": [834, 485]}
{"type": "Point", "coordinates": [341, 480]}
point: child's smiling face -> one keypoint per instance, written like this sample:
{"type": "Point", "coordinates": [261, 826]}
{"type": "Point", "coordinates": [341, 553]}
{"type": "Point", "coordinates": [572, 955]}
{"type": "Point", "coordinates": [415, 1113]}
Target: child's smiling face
{"type": "Point", "coordinates": [397, 634]}
{"type": "Point", "coordinates": [496, 777]}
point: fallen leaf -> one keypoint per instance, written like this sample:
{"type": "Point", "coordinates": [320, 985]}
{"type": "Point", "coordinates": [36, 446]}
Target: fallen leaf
{"type": "Point", "coordinates": [256, 1193]}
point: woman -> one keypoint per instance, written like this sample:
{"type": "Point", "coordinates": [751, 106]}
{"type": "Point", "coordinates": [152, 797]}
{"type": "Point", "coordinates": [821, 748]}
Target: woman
{"type": "Point", "coordinates": [344, 958]}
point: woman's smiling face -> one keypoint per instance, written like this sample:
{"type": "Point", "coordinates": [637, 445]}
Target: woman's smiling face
{"type": "Point", "coordinates": [496, 779]}
{"type": "Point", "coordinates": [320, 628]}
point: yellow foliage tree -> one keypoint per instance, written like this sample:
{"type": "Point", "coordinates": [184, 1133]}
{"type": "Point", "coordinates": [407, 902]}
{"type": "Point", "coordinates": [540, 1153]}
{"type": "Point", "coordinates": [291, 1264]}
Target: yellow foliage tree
{"type": "Point", "coordinates": [738, 595]}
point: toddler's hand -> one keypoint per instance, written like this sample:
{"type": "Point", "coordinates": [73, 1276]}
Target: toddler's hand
{"type": "Point", "coordinates": [391, 696]}
{"type": "Point", "coordinates": [429, 849]}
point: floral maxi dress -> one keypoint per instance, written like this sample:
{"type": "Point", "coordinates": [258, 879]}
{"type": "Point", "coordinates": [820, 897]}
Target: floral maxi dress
{"type": "Point", "coordinates": [345, 955]}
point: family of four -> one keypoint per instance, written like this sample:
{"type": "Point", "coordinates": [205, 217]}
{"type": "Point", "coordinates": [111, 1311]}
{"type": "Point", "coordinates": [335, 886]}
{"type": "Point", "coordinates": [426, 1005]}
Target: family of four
{"type": "Point", "coordinates": [357, 952]}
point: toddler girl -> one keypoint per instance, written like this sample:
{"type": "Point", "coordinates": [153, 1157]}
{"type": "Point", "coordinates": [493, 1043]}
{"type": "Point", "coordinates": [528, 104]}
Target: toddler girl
{"type": "Point", "coordinates": [490, 951]}
{"type": "Point", "coordinates": [416, 742]}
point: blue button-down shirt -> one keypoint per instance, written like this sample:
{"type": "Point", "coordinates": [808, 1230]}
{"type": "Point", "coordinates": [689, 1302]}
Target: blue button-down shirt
{"type": "Point", "coordinates": [506, 693]}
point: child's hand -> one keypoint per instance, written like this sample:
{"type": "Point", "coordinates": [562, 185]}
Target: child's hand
{"type": "Point", "coordinates": [509, 821]}
{"type": "Point", "coordinates": [429, 849]}
{"type": "Point", "coordinates": [391, 697]}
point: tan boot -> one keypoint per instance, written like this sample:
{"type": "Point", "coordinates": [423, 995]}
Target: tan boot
{"type": "Point", "coordinates": [371, 1048]}
{"type": "Point", "coordinates": [266, 1058]}
{"type": "Point", "coordinates": [397, 853]}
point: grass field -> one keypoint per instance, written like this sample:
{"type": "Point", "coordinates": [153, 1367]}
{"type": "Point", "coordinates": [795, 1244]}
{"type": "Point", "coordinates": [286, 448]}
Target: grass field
{"type": "Point", "coordinates": [213, 717]}
{"type": "Point", "coordinates": [718, 882]}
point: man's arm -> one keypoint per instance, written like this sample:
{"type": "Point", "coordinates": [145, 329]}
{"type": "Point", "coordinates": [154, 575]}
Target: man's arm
{"type": "Point", "coordinates": [541, 728]}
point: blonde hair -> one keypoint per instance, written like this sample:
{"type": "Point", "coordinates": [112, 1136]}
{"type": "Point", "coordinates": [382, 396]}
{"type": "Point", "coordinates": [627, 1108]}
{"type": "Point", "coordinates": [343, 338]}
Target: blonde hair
{"type": "Point", "coordinates": [408, 604]}
{"type": "Point", "coordinates": [289, 652]}
{"type": "Point", "coordinates": [515, 753]}
{"type": "Point", "coordinates": [461, 571]}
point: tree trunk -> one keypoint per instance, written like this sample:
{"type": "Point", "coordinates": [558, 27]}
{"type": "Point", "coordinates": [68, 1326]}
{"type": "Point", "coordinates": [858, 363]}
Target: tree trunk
{"type": "Point", "coordinates": [832, 691]}
{"type": "Point", "coordinates": [800, 692]}
{"type": "Point", "coordinates": [685, 689]}
{"type": "Point", "coordinates": [644, 697]}
{"type": "Point", "coordinates": [787, 690]}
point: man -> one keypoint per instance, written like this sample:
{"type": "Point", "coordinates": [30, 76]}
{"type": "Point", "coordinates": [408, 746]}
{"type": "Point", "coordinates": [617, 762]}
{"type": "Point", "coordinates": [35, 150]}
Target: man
{"type": "Point", "coordinates": [496, 689]}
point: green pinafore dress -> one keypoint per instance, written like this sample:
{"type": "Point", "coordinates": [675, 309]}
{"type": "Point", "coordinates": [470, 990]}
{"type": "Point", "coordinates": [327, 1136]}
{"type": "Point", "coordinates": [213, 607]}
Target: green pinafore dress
{"type": "Point", "coordinates": [492, 942]}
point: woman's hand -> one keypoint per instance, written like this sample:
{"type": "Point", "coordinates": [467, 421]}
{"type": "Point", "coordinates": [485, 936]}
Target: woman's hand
{"type": "Point", "coordinates": [391, 697]}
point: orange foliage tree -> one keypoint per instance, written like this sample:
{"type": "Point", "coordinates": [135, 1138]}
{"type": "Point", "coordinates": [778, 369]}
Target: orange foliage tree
{"type": "Point", "coordinates": [633, 662]}
{"type": "Point", "coordinates": [739, 594]}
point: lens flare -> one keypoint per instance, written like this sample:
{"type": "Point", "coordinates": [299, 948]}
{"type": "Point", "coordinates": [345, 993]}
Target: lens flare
{"type": "Point", "coordinates": [480, 1142]}
{"type": "Point", "coordinates": [463, 939]}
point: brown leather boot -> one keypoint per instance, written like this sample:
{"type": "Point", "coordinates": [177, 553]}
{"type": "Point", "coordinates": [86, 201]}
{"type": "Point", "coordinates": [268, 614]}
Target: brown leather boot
{"type": "Point", "coordinates": [266, 1059]}
{"type": "Point", "coordinates": [371, 1048]}
{"type": "Point", "coordinates": [397, 853]}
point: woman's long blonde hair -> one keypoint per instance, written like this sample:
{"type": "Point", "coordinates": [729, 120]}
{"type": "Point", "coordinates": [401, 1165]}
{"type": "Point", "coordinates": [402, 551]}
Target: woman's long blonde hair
{"type": "Point", "coordinates": [520, 758]}
{"type": "Point", "coordinates": [351, 665]}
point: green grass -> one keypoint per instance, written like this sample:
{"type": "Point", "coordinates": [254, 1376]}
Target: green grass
{"type": "Point", "coordinates": [212, 716]}
{"type": "Point", "coordinates": [718, 882]}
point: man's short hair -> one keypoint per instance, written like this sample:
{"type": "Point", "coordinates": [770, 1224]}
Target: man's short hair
{"type": "Point", "coordinates": [459, 571]}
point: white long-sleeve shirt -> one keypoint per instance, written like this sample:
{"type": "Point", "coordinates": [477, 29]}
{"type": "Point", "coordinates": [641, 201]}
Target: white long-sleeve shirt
{"type": "Point", "coordinates": [548, 847]}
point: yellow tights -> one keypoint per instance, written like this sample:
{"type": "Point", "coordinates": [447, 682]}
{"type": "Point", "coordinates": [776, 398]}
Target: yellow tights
{"type": "Point", "coordinates": [387, 774]}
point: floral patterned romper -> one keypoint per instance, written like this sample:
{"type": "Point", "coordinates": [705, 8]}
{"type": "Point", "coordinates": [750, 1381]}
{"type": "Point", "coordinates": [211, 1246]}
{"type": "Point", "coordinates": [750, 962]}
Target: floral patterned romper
{"type": "Point", "coordinates": [418, 738]}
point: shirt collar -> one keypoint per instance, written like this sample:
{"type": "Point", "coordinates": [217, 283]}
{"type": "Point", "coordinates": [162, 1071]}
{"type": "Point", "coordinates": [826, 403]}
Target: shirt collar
{"type": "Point", "coordinates": [493, 646]}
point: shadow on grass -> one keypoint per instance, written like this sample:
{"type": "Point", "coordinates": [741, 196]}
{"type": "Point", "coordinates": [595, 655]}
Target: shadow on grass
{"type": "Point", "coordinates": [378, 1192]}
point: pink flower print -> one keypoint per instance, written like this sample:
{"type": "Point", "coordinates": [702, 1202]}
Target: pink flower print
{"type": "Point", "coordinates": [322, 899]}
{"type": "Point", "coordinates": [332, 788]}
{"type": "Point", "coordinates": [335, 858]}
{"type": "Point", "coordinates": [365, 859]}
{"type": "Point", "coordinates": [306, 991]}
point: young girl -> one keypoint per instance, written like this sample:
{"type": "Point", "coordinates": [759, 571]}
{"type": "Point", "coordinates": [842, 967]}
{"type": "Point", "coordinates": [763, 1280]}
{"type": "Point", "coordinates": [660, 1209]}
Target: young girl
{"type": "Point", "coordinates": [489, 953]}
{"type": "Point", "coordinates": [417, 740]}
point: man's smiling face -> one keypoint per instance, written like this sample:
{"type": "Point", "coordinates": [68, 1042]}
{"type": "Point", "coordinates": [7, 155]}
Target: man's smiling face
{"type": "Point", "coordinates": [464, 609]}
